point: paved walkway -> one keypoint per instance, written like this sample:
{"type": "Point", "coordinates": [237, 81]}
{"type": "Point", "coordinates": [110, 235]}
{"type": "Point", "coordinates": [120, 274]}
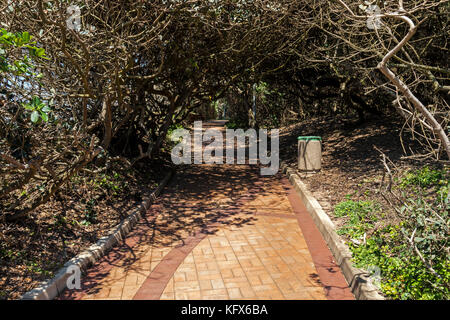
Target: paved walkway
{"type": "Point", "coordinates": [220, 232]}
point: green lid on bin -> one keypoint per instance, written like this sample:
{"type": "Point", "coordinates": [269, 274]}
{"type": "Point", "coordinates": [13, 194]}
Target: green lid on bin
{"type": "Point", "coordinates": [310, 138]}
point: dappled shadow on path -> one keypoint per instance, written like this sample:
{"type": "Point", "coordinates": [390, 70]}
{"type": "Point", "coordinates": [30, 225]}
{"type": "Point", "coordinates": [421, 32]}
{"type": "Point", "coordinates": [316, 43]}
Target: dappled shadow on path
{"type": "Point", "coordinates": [200, 198]}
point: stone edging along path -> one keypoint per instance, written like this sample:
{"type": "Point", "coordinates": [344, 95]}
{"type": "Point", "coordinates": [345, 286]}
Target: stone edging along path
{"type": "Point", "coordinates": [50, 289]}
{"type": "Point", "coordinates": [358, 280]}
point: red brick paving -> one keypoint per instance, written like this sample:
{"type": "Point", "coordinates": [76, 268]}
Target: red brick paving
{"type": "Point", "coordinates": [220, 232]}
{"type": "Point", "coordinates": [335, 285]}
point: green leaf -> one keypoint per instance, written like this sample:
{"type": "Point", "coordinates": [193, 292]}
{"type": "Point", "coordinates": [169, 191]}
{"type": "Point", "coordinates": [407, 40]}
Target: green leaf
{"type": "Point", "coordinates": [44, 116]}
{"type": "Point", "coordinates": [46, 109]}
{"type": "Point", "coordinates": [34, 116]}
{"type": "Point", "coordinates": [40, 52]}
{"type": "Point", "coordinates": [28, 106]}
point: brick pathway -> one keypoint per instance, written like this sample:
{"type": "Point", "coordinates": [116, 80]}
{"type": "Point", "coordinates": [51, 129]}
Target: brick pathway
{"type": "Point", "coordinates": [220, 232]}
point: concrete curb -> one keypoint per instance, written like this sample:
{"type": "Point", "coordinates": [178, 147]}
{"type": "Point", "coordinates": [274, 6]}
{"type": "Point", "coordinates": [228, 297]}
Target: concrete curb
{"type": "Point", "coordinates": [52, 288]}
{"type": "Point", "coordinates": [357, 279]}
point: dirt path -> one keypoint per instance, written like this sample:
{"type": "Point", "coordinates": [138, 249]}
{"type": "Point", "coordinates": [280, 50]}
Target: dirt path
{"type": "Point", "coordinates": [220, 232]}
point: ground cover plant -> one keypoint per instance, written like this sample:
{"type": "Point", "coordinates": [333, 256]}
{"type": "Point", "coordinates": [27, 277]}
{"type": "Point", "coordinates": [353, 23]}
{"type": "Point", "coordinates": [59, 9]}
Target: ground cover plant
{"type": "Point", "coordinates": [411, 254]}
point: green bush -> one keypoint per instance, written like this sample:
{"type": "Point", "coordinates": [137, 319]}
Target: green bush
{"type": "Point", "coordinates": [23, 65]}
{"type": "Point", "coordinates": [424, 178]}
{"type": "Point", "coordinates": [403, 275]}
{"type": "Point", "coordinates": [18, 52]}
{"type": "Point", "coordinates": [360, 214]}
{"type": "Point", "coordinates": [394, 249]}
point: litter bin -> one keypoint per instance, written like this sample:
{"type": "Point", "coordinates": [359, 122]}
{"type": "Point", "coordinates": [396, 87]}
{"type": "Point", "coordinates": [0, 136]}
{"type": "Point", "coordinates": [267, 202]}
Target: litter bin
{"type": "Point", "coordinates": [309, 153]}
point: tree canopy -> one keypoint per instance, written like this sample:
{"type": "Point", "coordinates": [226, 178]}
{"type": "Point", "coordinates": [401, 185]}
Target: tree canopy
{"type": "Point", "coordinates": [83, 80]}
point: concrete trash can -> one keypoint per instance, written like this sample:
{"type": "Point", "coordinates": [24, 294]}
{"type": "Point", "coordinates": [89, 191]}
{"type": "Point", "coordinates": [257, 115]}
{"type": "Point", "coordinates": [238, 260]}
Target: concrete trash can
{"type": "Point", "coordinates": [309, 153]}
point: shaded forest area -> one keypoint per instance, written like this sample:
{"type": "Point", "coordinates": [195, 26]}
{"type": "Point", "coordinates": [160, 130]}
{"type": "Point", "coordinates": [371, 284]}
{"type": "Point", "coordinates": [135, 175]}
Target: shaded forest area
{"type": "Point", "coordinates": [90, 90]}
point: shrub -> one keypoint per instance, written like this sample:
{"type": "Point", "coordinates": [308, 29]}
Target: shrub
{"type": "Point", "coordinates": [423, 178]}
{"type": "Point", "coordinates": [360, 217]}
{"type": "Point", "coordinates": [413, 255]}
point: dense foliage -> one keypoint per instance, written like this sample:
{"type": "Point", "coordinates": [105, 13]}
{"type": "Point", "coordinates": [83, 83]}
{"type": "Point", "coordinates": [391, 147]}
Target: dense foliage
{"type": "Point", "coordinates": [411, 255]}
